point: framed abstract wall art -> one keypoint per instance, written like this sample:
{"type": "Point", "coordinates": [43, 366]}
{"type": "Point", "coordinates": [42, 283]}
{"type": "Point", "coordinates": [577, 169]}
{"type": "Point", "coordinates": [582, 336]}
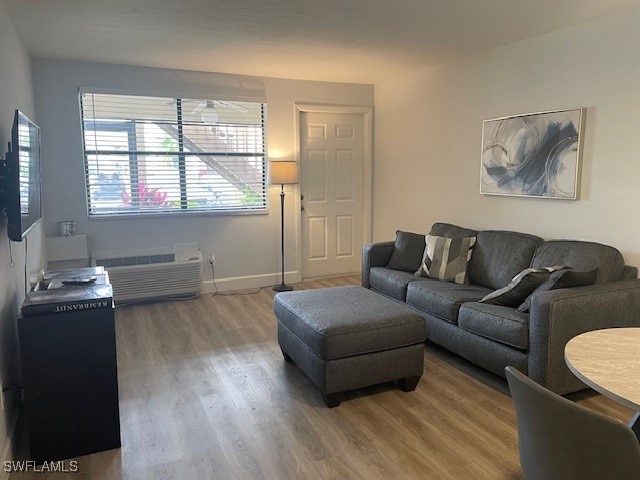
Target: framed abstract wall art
{"type": "Point", "coordinates": [533, 155]}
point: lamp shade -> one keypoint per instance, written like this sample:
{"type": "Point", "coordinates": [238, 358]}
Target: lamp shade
{"type": "Point", "coordinates": [283, 172]}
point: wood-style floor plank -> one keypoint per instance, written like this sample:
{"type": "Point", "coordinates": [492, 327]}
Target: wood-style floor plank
{"type": "Point", "coordinates": [206, 394]}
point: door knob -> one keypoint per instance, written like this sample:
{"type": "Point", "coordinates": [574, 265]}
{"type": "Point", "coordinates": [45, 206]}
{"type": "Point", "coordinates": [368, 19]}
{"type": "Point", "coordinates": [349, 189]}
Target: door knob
{"type": "Point", "coordinates": [302, 208]}
{"type": "Point", "coordinates": [301, 197]}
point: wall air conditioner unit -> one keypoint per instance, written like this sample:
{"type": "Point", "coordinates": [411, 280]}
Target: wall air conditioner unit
{"type": "Point", "coordinates": [137, 276]}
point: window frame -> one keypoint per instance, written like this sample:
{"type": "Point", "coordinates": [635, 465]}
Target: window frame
{"type": "Point", "coordinates": [182, 155]}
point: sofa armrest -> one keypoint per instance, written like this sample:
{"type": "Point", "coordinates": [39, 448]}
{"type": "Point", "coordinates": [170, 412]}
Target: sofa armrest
{"type": "Point", "coordinates": [559, 315]}
{"type": "Point", "coordinates": [375, 255]}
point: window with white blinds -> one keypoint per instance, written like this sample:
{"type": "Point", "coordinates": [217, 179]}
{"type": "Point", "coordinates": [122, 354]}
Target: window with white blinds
{"type": "Point", "coordinates": [156, 155]}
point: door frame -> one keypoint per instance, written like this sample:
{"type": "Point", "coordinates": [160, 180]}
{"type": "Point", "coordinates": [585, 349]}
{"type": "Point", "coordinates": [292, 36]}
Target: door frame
{"type": "Point", "coordinates": [367, 113]}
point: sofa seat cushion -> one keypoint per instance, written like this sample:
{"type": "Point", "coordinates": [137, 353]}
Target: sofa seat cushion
{"type": "Point", "coordinates": [392, 282]}
{"type": "Point", "coordinates": [443, 299]}
{"type": "Point", "coordinates": [582, 256]}
{"type": "Point", "coordinates": [495, 322]}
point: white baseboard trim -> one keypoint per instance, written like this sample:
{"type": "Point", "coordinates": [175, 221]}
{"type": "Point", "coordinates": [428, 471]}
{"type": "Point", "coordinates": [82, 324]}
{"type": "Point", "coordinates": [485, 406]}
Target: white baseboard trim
{"type": "Point", "coordinates": [7, 451]}
{"type": "Point", "coordinates": [249, 281]}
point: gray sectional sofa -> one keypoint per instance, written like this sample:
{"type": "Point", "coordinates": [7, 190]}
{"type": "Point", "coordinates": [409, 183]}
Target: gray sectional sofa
{"type": "Point", "coordinates": [494, 336]}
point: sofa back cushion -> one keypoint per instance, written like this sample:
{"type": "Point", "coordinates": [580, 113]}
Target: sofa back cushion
{"type": "Point", "coordinates": [451, 231]}
{"type": "Point", "coordinates": [581, 256]}
{"type": "Point", "coordinates": [498, 256]}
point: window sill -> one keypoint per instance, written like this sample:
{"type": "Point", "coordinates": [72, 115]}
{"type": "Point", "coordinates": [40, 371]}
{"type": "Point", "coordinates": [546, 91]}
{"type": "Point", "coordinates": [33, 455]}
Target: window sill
{"type": "Point", "coordinates": [140, 216]}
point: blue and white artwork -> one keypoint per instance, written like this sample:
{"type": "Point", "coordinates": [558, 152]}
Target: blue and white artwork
{"type": "Point", "coordinates": [532, 155]}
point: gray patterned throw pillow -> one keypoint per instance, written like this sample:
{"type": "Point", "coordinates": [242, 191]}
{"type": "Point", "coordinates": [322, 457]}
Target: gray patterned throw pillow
{"type": "Point", "coordinates": [564, 277]}
{"type": "Point", "coordinates": [446, 258]}
{"type": "Point", "coordinates": [519, 288]}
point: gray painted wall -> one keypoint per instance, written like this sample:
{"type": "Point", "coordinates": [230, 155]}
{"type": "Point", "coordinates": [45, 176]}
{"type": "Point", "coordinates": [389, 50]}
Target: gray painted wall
{"type": "Point", "coordinates": [439, 113]}
{"type": "Point", "coordinates": [16, 91]}
{"type": "Point", "coordinates": [246, 247]}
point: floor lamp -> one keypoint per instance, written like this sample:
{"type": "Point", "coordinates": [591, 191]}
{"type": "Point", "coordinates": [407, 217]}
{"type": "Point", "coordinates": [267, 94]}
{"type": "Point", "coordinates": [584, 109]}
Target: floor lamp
{"type": "Point", "coordinates": [283, 173]}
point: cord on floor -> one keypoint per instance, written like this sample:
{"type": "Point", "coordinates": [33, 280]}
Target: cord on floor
{"type": "Point", "coordinates": [217, 293]}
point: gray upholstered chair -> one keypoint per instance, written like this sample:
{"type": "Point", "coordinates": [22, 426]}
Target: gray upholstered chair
{"type": "Point", "coordinates": [560, 440]}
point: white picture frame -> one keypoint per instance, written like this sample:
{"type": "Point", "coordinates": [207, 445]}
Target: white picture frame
{"type": "Point", "coordinates": [533, 155]}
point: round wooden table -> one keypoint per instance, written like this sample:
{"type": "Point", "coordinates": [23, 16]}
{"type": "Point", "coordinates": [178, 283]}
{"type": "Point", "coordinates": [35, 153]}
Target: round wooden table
{"type": "Point", "coordinates": [609, 362]}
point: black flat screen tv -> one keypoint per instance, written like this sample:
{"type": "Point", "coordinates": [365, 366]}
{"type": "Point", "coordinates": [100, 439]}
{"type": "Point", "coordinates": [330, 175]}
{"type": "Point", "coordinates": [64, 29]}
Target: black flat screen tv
{"type": "Point", "coordinates": [22, 178]}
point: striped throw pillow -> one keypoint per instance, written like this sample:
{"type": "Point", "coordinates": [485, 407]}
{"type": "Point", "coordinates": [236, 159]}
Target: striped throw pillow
{"type": "Point", "coordinates": [446, 258]}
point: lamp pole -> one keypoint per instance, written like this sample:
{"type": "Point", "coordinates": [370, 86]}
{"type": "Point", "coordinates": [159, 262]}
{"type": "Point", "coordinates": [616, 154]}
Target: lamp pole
{"type": "Point", "coordinates": [283, 287]}
{"type": "Point", "coordinates": [283, 173]}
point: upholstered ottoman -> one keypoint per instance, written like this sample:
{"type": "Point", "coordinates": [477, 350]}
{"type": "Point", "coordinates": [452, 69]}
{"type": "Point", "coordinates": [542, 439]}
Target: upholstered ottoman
{"type": "Point", "coordinates": [345, 338]}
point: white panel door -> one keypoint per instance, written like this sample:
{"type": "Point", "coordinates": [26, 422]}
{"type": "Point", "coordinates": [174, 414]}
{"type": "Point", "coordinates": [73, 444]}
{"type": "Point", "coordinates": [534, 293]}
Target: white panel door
{"type": "Point", "coordinates": [332, 187]}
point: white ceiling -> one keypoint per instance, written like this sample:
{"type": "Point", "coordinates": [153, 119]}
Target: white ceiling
{"type": "Point", "coordinates": [336, 40]}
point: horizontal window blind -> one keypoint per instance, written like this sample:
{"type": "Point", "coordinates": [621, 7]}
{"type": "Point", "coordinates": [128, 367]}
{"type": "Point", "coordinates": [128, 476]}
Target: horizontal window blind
{"type": "Point", "coordinates": [28, 139]}
{"type": "Point", "coordinates": [146, 155]}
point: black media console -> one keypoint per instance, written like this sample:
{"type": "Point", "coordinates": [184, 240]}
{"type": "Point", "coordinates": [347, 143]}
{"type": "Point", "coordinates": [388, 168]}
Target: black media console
{"type": "Point", "coordinates": [68, 350]}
